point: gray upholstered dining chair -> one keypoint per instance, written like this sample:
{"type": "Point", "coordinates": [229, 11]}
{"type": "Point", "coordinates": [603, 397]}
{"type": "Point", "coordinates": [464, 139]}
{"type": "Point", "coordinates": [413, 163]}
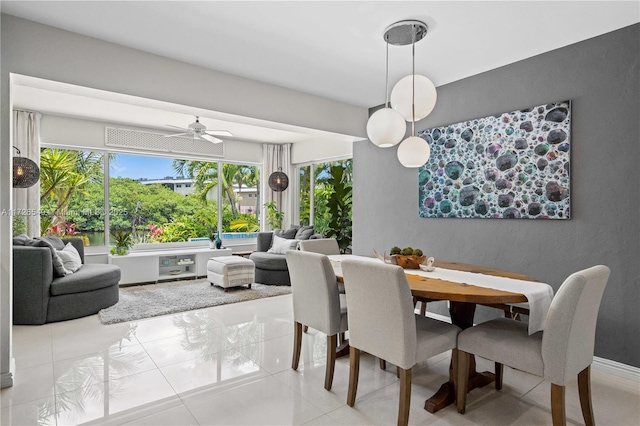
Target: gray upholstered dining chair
{"type": "Point", "coordinates": [324, 246]}
{"type": "Point", "coordinates": [562, 350]}
{"type": "Point", "coordinates": [316, 304]}
{"type": "Point", "coordinates": [321, 245]}
{"type": "Point", "coordinates": [382, 323]}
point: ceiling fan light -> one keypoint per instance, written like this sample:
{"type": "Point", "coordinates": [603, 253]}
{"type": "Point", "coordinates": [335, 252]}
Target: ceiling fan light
{"type": "Point", "coordinates": [425, 97]}
{"type": "Point", "coordinates": [414, 152]}
{"type": "Point", "coordinates": [386, 127]}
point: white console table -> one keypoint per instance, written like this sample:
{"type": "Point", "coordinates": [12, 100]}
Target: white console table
{"type": "Point", "coordinates": [155, 265]}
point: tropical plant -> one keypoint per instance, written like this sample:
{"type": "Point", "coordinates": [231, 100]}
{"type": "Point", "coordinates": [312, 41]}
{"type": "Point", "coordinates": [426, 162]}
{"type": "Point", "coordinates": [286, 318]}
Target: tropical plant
{"type": "Point", "coordinates": [340, 203]}
{"type": "Point", "coordinates": [274, 216]}
{"type": "Point", "coordinates": [64, 173]}
{"type": "Point", "coordinates": [123, 242]}
{"type": "Point", "coordinates": [245, 223]}
{"type": "Point", "coordinates": [206, 177]}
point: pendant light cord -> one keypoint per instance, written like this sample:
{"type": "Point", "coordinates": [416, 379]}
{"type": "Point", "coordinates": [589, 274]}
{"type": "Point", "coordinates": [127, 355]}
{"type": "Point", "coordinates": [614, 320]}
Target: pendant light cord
{"type": "Point", "coordinates": [386, 76]}
{"type": "Point", "coordinates": [413, 83]}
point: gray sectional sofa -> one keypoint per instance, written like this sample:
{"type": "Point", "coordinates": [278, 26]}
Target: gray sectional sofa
{"type": "Point", "coordinates": [271, 268]}
{"type": "Point", "coordinates": [39, 297]}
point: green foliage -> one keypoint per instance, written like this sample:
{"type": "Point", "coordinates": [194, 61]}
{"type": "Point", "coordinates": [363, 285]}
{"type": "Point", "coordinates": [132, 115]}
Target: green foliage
{"type": "Point", "coordinates": [19, 225]}
{"type": "Point", "coordinates": [340, 204]}
{"type": "Point", "coordinates": [182, 228]}
{"type": "Point", "coordinates": [407, 251]}
{"type": "Point", "coordinates": [322, 190]}
{"type": "Point", "coordinates": [417, 252]}
{"type": "Point", "coordinates": [395, 250]}
{"type": "Point", "coordinates": [245, 223]}
{"type": "Point", "coordinates": [274, 216]}
{"type": "Point", "coordinates": [63, 174]}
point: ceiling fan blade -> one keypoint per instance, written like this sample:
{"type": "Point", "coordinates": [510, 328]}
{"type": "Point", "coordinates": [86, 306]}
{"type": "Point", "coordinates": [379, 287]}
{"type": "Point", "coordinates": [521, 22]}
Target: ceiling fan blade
{"type": "Point", "coordinates": [209, 138]}
{"type": "Point", "coordinates": [177, 134]}
{"type": "Point", "coordinates": [219, 132]}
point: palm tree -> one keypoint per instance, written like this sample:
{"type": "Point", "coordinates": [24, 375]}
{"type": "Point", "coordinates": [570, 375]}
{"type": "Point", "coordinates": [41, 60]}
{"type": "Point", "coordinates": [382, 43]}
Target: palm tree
{"type": "Point", "coordinates": [205, 177]}
{"type": "Point", "coordinates": [63, 173]}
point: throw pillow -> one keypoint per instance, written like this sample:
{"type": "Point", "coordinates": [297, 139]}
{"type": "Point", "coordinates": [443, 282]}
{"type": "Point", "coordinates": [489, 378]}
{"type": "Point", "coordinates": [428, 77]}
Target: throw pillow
{"type": "Point", "coordinates": [290, 233]}
{"type": "Point", "coordinates": [58, 266]}
{"type": "Point", "coordinates": [21, 240]}
{"type": "Point", "coordinates": [56, 242]}
{"type": "Point", "coordinates": [70, 258]}
{"type": "Point", "coordinates": [304, 232]}
{"type": "Point", "coordinates": [282, 245]}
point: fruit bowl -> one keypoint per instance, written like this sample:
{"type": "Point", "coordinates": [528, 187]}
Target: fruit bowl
{"type": "Point", "coordinates": [408, 262]}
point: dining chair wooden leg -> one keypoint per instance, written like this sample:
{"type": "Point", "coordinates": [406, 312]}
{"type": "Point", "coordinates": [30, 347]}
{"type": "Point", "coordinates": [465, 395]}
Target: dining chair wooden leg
{"type": "Point", "coordinates": [557, 405]}
{"type": "Point", "coordinates": [383, 364]}
{"type": "Point", "coordinates": [454, 366]}
{"type": "Point", "coordinates": [342, 338]}
{"type": "Point", "coordinates": [354, 372]}
{"type": "Point", "coordinates": [297, 344]}
{"type": "Point", "coordinates": [398, 372]}
{"type": "Point", "coordinates": [584, 389]}
{"type": "Point", "coordinates": [332, 344]}
{"type": "Point", "coordinates": [423, 308]}
{"type": "Point", "coordinates": [464, 360]}
{"type": "Point", "coordinates": [499, 375]}
{"type": "Point", "coordinates": [405, 396]}
{"type": "Point", "coordinates": [306, 328]}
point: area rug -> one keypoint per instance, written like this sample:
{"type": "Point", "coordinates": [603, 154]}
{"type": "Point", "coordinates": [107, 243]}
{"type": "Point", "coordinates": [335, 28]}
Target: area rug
{"type": "Point", "coordinates": [151, 300]}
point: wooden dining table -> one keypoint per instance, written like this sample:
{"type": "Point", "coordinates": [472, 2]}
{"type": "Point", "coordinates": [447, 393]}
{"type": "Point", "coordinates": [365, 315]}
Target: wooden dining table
{"type": "Point", "coordinates": [463, 298]}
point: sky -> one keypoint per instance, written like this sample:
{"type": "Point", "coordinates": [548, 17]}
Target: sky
{"type": "Point", "coordinates": [138, 166]}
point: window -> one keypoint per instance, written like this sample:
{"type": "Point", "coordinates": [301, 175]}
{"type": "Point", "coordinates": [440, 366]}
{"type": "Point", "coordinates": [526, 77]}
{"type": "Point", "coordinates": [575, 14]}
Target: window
{"type": "Point", "coordinates": [72, 194]}
{"type": "Point", "coordinates": [305, 195]}
{"type": "Point", "coordinates": [316, 204]}
{"type": "Point", "coordinates": [240, 181]}
{"type": "Point", "coordinates": [323, 190]}
{"type": "Point", "coordinates": [139, 199]}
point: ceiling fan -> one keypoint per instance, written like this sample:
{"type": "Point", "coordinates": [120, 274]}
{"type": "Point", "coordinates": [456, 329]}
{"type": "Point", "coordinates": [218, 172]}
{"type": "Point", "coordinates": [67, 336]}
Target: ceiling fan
{"type": "Point", "coordinates": [199, 131]}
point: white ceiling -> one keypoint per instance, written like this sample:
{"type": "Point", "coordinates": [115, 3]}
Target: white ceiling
{"type": "Point", "coordinates": [335, 49]}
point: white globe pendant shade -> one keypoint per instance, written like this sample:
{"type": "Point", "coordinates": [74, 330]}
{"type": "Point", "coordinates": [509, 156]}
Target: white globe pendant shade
{"type": "Point", "coordinates": [425, 97]}
{"type": "Point", "coordinates": [414, 152]}
{"type": "Point", "coordinates": [386, 127]}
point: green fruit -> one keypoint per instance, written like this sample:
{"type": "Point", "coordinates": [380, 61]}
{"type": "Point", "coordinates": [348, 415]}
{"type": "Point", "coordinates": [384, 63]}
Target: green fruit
{"type": "Point", "coordinates": [417, 252]}
{"type": "Point", "coordinates": [395, 250]}
{"type": "Point", "coordinates": [407, 251]}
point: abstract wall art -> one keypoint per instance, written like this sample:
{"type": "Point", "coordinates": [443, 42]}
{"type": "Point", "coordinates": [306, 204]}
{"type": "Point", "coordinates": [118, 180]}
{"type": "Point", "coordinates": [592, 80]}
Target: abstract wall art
{"type": "Point", "coordinates": [506, 166]}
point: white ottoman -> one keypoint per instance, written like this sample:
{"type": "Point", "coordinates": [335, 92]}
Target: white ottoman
{"type": "Point", "coordinates": [230, 271]}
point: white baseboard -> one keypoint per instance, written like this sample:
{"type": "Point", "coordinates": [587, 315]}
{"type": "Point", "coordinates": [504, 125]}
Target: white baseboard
{"type": "Point", "coordinates": [601, 364]}
{"type": "Point", "coordinates": [6, 379]}
{"type": "Point", "coordinates": [616, 368]}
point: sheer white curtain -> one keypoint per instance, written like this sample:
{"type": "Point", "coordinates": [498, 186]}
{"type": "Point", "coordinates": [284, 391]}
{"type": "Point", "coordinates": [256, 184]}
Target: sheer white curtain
{"type": "Point", "coordinates": [26, 137]}
{"type": "Point", "coordinates": [275, 157]}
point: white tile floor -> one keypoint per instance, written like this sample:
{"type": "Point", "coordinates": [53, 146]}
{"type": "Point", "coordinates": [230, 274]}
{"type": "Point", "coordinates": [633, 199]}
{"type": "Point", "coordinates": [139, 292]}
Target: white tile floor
{"type": "Point", "coordinates": [231, 365]}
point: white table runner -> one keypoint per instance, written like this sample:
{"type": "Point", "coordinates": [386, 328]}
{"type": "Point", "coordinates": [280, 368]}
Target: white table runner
{"type": "Point", "coordinates": [539, 295]}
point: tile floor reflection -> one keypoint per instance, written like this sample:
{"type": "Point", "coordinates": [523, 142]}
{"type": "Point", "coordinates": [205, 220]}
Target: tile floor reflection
{"type": "Point", "coordinates": [231, 364]}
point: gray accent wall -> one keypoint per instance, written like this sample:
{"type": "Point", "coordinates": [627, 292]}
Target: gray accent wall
{"type": "Point", "coordinates": [600, 76]}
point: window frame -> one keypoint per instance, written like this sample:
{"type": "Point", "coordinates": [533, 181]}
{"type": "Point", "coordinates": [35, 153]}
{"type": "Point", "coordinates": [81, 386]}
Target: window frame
{"type": "Point", "coordinates": [104, 249]}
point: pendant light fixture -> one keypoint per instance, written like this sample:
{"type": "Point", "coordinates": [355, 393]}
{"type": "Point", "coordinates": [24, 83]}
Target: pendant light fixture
{"type": "Point", "coordinates": [386, 127]}
{"type": "Point", "coordinates": [278, 181]}
{"type": "Point", "coordinates": [413, 151]}
{"type": "Point", "coordinates": [25, 171]}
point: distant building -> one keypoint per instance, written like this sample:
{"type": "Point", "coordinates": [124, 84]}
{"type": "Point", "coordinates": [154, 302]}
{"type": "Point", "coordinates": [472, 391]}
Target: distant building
{"type": "Point", "coordinates": [182, 186]}
{"type": "Point", "coordinates": [246, 197]}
